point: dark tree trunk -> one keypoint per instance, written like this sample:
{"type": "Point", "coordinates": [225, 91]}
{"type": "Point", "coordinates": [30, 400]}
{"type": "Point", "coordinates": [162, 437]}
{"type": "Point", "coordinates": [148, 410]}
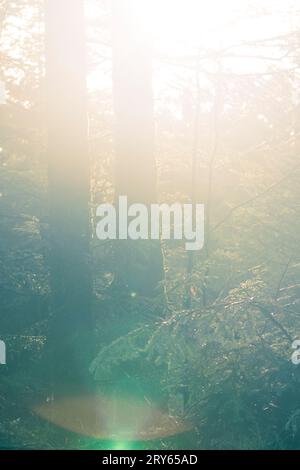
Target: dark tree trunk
{"type": "Point", "coordinates": [69, 191]}
{"type": "Point", "coordinates": [140, 266]}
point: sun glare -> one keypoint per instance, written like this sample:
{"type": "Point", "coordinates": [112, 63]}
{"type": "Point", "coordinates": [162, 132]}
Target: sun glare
{"type": "Point", "coordinates": [211, 23]}
{"type": "Point", "coordinates": [178, 28]}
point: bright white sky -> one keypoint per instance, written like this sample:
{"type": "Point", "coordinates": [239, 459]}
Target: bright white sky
{"type": "Point", "coordinates": [184, 26]}
{"type": "Point", "coordinates": [209, 22]}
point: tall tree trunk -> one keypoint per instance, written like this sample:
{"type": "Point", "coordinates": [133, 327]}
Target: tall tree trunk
{"type": "Point", "coordinates": [68, 188]}
{"type": "Point", "coordinates": [140, 262]}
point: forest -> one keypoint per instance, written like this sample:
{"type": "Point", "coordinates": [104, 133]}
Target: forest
{"type": "Point", "coordinates": [137, 342]}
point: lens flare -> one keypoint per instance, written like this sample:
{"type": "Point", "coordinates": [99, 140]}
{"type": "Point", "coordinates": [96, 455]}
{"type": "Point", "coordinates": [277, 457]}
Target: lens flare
{"type": "Point", "coordinates": [117, 419]}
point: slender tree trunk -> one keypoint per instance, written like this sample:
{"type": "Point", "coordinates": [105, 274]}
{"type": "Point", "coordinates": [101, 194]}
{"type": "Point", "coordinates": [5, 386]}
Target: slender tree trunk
{"type": "Point", "coordinates": [68, 188]}
{"type": "Point", "coordinates": [140, 262]}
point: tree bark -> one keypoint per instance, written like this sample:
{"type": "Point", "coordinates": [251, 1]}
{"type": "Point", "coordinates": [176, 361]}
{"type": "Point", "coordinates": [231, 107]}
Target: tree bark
{"type": "Point", "coordinates": [140, 266]}
{"type": "Point", "coordinates": [69, 191]}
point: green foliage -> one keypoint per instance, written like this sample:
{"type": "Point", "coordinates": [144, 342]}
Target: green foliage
{"type": "Point", "coordinates": [230, 362]}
